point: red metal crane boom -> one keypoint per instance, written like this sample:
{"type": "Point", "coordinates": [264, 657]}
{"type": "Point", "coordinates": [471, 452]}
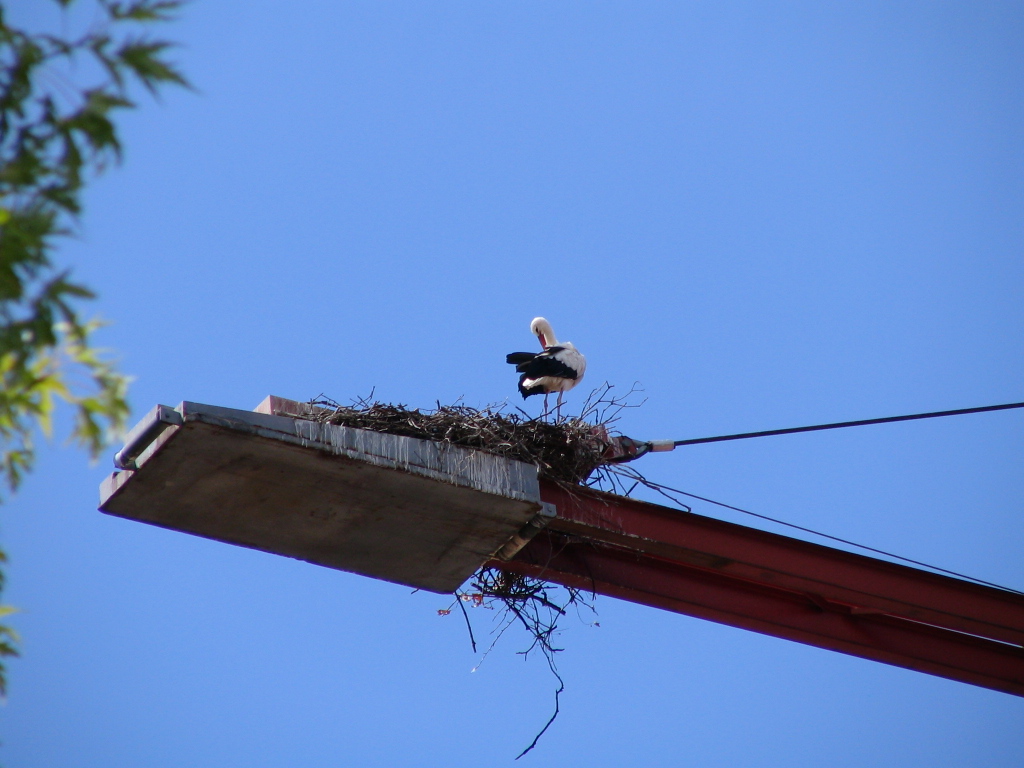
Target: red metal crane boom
{"type": "Point", "coordinates": [779, 586]}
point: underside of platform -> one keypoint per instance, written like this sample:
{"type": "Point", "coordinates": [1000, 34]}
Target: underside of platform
{"type": "Point", "coordinates": [415, 512]}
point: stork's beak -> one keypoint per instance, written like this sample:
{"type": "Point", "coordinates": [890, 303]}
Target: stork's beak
{"type": "Point", "coordinates": [543, 341]}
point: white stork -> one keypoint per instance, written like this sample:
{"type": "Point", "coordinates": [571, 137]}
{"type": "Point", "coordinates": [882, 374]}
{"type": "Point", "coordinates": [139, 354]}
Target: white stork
{"type": "Point", "coordinates": [558, 368]}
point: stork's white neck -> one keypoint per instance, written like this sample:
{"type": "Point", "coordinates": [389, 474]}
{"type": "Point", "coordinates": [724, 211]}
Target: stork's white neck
{"type": "Point", "coordinates": [542, 329]}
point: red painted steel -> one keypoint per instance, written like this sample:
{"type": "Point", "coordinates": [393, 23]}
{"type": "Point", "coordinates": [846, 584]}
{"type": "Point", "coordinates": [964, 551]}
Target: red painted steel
{"type": "Point", "coordinates": [780, 586]}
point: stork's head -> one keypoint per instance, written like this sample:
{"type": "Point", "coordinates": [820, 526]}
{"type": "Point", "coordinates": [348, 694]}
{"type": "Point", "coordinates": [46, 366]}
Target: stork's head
{"type": "Point", "coordinates": [541, 328]}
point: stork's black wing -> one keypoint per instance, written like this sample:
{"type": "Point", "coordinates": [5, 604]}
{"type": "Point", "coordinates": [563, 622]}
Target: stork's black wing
{"type": "Point", "coordinates": [546, 364]}
{"type": "Point", "coordinates": [518, 358]}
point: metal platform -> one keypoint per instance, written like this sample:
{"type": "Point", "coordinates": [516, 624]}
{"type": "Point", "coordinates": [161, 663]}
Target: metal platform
{"type": "Point", "coordinates": [410, 511]}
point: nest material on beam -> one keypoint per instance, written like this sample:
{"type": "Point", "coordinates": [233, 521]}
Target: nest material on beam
{"type": "Point", "coordinates": [567, 450]}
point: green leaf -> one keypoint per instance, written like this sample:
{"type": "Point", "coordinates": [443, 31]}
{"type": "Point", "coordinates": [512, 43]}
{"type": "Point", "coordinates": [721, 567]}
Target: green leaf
{"type": "Point", "coordinates": [145, 11]}
{"type": "Point", "coordinates": [141, 58]}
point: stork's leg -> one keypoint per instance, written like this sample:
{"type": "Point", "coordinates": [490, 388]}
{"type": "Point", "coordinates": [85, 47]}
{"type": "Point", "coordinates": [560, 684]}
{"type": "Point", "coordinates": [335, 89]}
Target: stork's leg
{"type": "Point", "coordinates": [545, 403]}
{"type": "Point", "coordinates": [558, 406]}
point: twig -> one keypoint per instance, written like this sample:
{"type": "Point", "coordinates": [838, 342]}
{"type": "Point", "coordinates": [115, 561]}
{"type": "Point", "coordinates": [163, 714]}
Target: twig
{"type": "Point", "coordinates": [469, 627]}
{"type": "Point", "coordinates": [558, 693]}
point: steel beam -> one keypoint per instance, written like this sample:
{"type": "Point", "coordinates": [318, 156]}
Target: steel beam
{"type": "Point", "coordinates": [780, 586]}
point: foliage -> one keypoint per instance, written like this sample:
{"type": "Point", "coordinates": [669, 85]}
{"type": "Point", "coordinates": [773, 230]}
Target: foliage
{"type": "Point", "coordinates": [54, 135]}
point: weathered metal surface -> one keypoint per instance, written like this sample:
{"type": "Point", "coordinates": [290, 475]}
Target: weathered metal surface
{"type": "Point", "coordinates": [780, 586]}
{"type": "Point", "coordinates": [410, 511]}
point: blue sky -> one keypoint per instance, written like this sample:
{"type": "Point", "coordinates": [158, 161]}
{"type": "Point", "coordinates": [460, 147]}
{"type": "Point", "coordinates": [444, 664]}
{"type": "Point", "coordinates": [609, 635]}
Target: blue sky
{"type": "Point", "coordinates": [767, 214]}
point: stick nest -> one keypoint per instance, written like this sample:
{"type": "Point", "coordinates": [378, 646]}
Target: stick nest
{"type": "Point", "coordinates": [563, 449]}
